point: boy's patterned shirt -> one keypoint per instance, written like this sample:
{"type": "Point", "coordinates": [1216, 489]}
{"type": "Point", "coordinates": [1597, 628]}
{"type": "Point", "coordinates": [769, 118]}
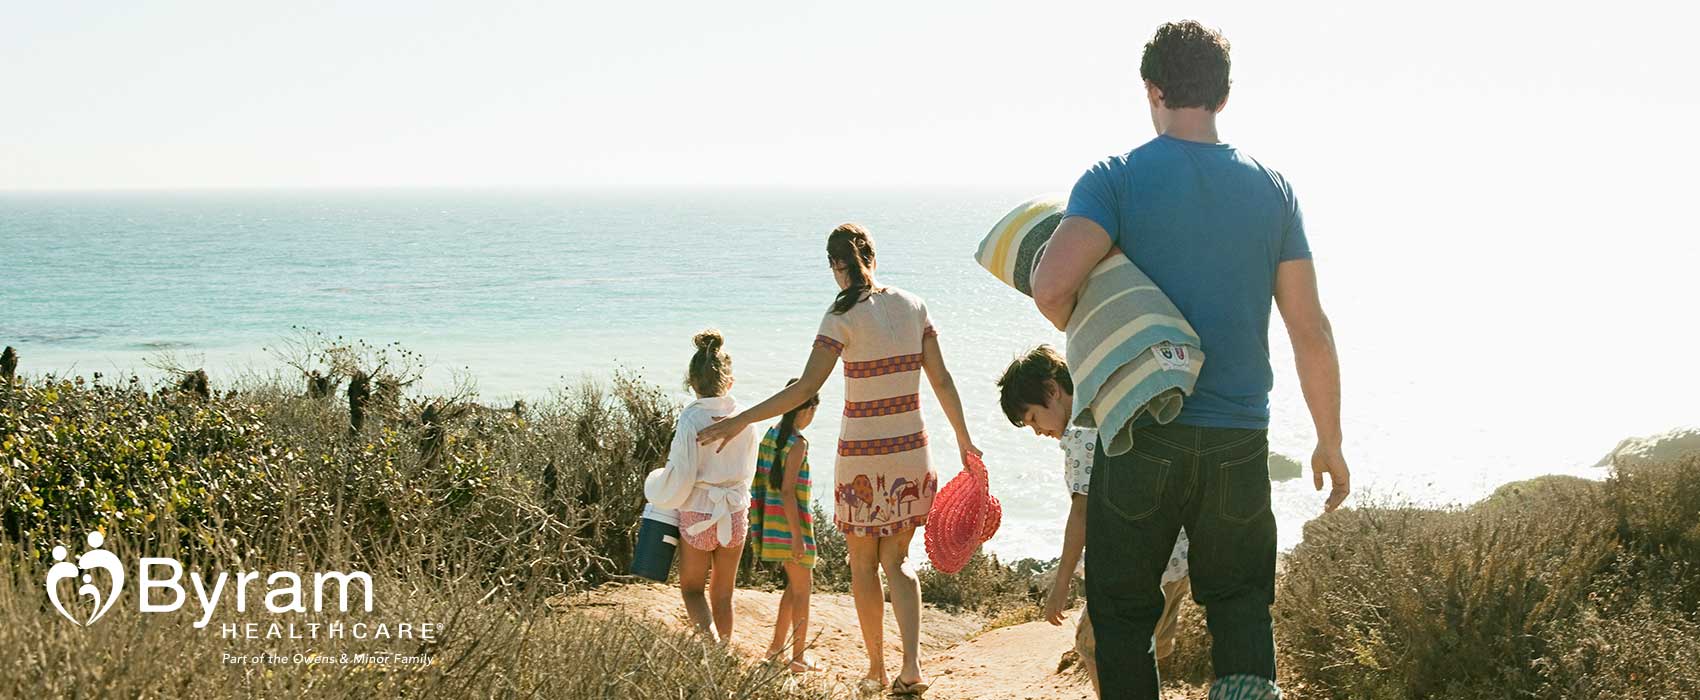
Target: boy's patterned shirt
{"type": "Point", "coordinates": [1077, 444]}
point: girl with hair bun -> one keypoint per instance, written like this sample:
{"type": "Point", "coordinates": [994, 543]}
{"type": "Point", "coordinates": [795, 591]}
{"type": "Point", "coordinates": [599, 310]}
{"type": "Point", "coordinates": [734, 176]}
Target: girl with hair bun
{"type": "Point", "coordinates": [710, 489]}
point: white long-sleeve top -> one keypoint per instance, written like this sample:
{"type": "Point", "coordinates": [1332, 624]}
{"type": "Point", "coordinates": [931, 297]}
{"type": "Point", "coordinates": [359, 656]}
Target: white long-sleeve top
{"type": "Point", "coordinates": [699, 479]}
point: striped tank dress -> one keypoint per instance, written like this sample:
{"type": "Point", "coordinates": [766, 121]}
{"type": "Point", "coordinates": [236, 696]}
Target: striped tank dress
{"type": "Point", "coordinates": [770, 531]}
{"type": "Point", "coordinates": [884, 480]}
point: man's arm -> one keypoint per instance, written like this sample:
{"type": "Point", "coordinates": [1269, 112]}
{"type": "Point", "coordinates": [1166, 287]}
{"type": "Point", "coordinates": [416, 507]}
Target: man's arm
{"type": "Point", "coordinates": [1077, 246]}
{"type": "Point", "coordinates": [1319, 370]}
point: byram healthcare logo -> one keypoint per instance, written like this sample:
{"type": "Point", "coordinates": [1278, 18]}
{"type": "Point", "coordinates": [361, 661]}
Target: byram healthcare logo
{"type": "Point", "coordinates": [95, 558]}
{"type": "Point", "coordinates": [168, 594]}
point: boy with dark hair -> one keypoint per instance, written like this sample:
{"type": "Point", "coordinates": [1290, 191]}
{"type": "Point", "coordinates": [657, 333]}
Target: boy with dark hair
{"type": "Point", "coordinates": [1221, 235]}
{"type": "Point", "coordinates": [1036, 392]}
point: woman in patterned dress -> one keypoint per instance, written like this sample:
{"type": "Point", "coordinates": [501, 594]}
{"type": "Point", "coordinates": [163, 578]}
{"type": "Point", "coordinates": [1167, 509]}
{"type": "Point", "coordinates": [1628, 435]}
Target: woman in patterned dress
{"type": "Point", "coordinates": [885, 479]}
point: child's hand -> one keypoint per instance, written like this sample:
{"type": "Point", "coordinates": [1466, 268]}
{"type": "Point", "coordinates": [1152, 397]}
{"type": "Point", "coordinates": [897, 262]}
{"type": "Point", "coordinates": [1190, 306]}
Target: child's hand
{"type": "Point", "coordinates": [1056, 602]}
{"type": "Point", "coordinates": [797, 547]}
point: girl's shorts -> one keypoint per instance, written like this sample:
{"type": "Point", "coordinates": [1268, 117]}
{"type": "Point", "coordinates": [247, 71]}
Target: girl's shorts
{"type": "Point", "coordinates": [707, 540]}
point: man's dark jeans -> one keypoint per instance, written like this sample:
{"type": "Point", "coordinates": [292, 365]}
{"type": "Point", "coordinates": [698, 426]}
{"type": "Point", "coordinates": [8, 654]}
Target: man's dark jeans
{"type": "Point", "coordinates": [1215, 483]}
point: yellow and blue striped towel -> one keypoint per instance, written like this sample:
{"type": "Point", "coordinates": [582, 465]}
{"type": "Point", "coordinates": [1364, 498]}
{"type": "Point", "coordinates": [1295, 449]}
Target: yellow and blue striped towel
{"type": "Point", "coordinates": [1130, 352]}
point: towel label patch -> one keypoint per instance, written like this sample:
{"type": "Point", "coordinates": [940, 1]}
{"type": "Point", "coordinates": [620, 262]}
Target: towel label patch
{"type": "Point", "coordinates": [1170, 356]}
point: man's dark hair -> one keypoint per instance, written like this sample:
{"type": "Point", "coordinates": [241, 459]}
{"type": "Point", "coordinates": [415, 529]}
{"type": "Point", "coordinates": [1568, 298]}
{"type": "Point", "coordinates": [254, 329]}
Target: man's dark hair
{"type": "Point", "coordinates": [1189, 63]}
{"type": "Point", "coordinates": [1023, 383]}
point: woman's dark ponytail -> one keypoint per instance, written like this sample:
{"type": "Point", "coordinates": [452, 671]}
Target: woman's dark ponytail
{"type": "Point", "coordinates": [849, 246]}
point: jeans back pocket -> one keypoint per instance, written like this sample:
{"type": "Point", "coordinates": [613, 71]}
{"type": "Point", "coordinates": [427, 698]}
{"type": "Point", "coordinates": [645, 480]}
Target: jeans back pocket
{"type": "Point", "coordinates": [1244, 481]}
{"type": "Point", "coordinates": [1133, 484]}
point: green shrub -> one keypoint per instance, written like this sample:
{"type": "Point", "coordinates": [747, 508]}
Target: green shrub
{"type": "Point", "coordinates": [559, 489]}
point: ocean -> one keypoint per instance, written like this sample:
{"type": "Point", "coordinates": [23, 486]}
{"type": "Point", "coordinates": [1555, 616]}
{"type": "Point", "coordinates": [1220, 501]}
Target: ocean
{"type": "Point", "coordinates": [1491, 368]}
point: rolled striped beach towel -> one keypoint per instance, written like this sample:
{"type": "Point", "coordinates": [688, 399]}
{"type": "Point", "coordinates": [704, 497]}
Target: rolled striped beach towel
{"type": "Point", "coordinates": [1129, 350]}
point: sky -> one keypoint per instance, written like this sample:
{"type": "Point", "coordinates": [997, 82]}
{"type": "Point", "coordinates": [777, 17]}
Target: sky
{"type": "Point", "coordinates": [168, 95]}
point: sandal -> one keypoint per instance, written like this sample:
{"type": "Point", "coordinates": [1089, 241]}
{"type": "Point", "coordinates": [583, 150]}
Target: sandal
{"type": "Point", "coordinates": [901, 688]}
{"type": "Point", "coordinates": [869, 686]}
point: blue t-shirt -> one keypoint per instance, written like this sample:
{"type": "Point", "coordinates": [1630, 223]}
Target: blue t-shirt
{"type": "Point", "coordinates": [1208, 224]}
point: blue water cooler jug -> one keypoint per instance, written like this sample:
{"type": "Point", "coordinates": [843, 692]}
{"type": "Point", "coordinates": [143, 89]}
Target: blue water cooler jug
{"type": "Point", "coordinates": [658, 537]}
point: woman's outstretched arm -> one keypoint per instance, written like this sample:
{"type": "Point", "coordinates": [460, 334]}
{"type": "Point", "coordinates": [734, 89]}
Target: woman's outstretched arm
{"type": "Point", "coordinates": [819, 367]}
{"type": "Point", "coordinates": [944, 387]}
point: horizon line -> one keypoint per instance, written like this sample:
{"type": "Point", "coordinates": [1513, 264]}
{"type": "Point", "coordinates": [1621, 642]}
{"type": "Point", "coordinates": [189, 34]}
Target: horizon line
{"type": "Point", "coordinates": [819, 187]}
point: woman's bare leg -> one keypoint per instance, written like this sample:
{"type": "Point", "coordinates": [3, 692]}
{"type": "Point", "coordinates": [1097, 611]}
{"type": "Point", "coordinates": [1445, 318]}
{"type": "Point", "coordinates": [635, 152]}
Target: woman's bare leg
{"type": "Point", "coordinates": [905, 600]}
{"type": "Point", "coordinates": [693, 576]}
{"type": "Point", "coordinates": [870, 600]}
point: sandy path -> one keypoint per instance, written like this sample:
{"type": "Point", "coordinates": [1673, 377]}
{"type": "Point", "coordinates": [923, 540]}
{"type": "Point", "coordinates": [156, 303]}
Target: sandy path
{"type": "Point", "coordinates": [1010, 663]}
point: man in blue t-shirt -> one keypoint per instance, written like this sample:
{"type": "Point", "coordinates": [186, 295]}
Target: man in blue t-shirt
{"type": "Point", "coordinates": [1222, 235]}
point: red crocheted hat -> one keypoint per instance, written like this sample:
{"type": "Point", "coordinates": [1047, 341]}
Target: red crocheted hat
{"type": "Point", "coordinates": [964, 515]}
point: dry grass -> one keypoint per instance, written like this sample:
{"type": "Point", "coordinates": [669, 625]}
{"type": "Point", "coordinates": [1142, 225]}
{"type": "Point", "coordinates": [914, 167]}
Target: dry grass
{"type": "Point", "coordinates": [497, 643]}
{"type": "Point", "coordinates": [1552, 588]}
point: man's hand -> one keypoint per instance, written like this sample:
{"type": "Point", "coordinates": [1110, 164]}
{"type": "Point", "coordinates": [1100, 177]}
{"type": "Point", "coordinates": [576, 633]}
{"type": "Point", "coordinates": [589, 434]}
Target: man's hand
{"type": "Point", "coordinates": [1318, 363]}
{"type": "Point", "coordinates": [1328, 459]}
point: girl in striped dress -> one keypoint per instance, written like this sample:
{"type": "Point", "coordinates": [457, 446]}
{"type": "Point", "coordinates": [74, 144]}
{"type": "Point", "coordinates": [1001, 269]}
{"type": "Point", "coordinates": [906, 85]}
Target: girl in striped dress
{"type": "Point", "coordinates": [885, 480]}
{"type": "Point", "coordinates": [779, 496]}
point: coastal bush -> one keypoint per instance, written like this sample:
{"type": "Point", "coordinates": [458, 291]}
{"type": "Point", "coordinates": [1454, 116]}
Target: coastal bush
{"type": "Point", "coordinates": [986, 586]}
{"type": "Point", "coordinates": [1545, 586]}
{"type": "Point", "coordinates": [1657, 505]}
{"type": "Point", "coordinates": [557, 489]}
